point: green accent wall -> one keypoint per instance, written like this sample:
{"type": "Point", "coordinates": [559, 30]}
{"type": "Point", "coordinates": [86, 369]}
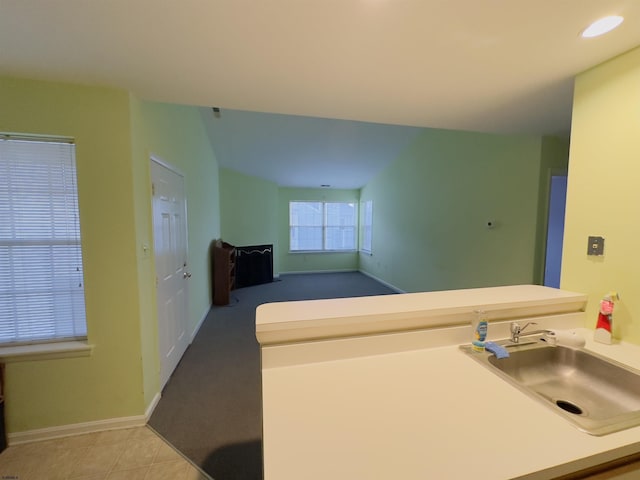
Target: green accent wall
{"type": "Point", "coordinates": [115, 134]}
{"type": "Point", "coordinates": [603, 198]}
{"type": "Point", "coordinates": [430, 210]}
{"type": "Point", "coordinates": [256, 211]}
{"type": "Point", "coordinates": [312, 262]}
{"type": "Point", "coordinates": [431, 207]}
{"type": "Point", "coordinates": [249, 214]}
{"type": "Point", "coordinates": [176, 135]}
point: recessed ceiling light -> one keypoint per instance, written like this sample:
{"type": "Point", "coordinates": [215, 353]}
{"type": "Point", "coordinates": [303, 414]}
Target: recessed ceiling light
{"type": "Point", "coordinates": [602, 26]}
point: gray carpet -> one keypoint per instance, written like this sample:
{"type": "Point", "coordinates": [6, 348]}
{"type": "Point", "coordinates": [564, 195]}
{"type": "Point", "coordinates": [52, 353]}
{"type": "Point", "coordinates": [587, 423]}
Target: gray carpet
{"type": "Point", "coordinates": [211, 408]}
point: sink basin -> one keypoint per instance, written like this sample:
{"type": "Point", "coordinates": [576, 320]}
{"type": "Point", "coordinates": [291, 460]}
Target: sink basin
{"type": "Point", "coordinates": [597, 395]}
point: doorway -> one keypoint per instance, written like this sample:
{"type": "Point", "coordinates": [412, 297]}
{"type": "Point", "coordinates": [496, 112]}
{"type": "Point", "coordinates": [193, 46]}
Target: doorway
{"type": "Point", "coordinates": [171, 260]}
{"type": "Point", "coordinates": [555, 230]}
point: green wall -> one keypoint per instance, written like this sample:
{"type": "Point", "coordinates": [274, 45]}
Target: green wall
{"type": "Point", "coordinates": [249, 214]}
{"type": "Point", "coordinates": [107, 384]}
{"type": "Point", "coordinates": [176, 135]}
{"type": "Point", "coordinates": [312, 262]}
{"type": "Point", "coordinates": [431, 206]}
{"type": "Point", "coordinates": [115, 134]}
{"type": "Point", "coordinates": [603, 198]}
{"type": "Point", "coordinates": [256, 211]}
{"type": "Point", "coordinates": [430, 211]}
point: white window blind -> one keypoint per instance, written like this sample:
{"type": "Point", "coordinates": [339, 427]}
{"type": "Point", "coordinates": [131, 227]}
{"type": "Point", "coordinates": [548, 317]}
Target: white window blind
{"type": "Point", "coordinates": [41, 277]}
{"type": "Point", "coordinates": [366, 225]}
{"type": "Point", "coordinates": [322, 226]}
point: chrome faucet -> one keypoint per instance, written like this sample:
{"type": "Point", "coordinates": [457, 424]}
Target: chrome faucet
{"type": "Point", "coordinates": [516, 331]}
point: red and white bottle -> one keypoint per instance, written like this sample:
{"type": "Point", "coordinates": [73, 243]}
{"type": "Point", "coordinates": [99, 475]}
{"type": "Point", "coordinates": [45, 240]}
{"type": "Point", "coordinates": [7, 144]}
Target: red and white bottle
{"type": "Point", "coordinates": [605, 318]}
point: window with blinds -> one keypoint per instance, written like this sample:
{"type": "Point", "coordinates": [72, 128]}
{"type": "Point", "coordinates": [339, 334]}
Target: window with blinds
{"type": "Point", "coordinates": [41, 277]}
{"type": "Point", "coordinates": [322, 226]}
{"type": "Point", "coordinates": [366, 226]}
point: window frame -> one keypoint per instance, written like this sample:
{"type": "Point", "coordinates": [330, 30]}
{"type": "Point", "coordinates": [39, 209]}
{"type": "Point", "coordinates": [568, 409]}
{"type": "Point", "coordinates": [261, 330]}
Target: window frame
{"type": "Point", "coordinates": [53, 345]}
{"type": "Point", "coordinates": [325, 226]}
{"type": "Point", "coordinates": [366, 227]}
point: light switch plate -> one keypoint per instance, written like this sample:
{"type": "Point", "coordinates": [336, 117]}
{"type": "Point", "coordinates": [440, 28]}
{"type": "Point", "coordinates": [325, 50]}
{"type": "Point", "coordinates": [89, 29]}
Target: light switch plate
{"type": "Point", "coordinates": [595, 246]}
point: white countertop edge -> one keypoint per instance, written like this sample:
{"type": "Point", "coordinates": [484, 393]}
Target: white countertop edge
{"type": "Point", "coordinates": [582, 463]}
{"type": "Point", "coordinates": [284, 322]}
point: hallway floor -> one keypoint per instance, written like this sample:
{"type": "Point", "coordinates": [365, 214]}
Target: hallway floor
{"type": "Point", "coordinates": [127, 454]}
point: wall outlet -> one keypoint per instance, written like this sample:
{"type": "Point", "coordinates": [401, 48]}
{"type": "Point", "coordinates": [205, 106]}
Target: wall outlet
{"type": "Point", "coordinates": [595, 246]}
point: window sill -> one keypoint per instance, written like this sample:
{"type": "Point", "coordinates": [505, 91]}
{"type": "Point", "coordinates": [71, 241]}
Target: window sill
{"type": "Point", "coordinates": [45, 351]}
{"type": "Point", "coordinates": [305, 252]}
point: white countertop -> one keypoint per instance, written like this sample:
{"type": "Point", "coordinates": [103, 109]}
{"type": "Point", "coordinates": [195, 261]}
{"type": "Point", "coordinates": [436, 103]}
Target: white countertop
{"type": "Point", "coordinates": [411, 405]}
{"type": "Point", "coordinates": [283, 322]}
{"type": "Point", "coordinates": [431, 413]}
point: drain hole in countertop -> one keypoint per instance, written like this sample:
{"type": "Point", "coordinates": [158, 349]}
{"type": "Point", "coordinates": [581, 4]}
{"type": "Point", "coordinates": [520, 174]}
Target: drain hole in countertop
{"type": "Point", "coordinates": [569, 407]}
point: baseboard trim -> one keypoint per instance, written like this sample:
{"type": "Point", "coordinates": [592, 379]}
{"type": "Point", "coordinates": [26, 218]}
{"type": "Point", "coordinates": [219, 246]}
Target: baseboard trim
{"type": "Point", "coordinates": [76, 429]}
{"type": "Point", "coordinates": [318, 271]}
{"type": "Point", "coordinates": [386, 284]}
{"type": "Point", "coordinates": [152, 406]}
{"type": "Point", "coordinates": [84, 428]}
{"type": "Point", "coordinates": [197, 329]}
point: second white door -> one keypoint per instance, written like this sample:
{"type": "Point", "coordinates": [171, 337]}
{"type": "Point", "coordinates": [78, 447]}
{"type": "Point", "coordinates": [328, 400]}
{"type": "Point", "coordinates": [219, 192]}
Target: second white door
{"type": "Point", "coordinates": [172, 273]}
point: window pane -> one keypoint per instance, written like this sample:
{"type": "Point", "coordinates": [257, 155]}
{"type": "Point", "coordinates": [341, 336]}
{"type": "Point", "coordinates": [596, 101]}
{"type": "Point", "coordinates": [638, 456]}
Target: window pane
{"type": "Point", "coordinates": [307, 214]}
{"type": "Point", "coordinates": [340, 233]}
{"type": "Point", "coordinates": [41, 276]}
{"type": "Point", "coordinates": [306, 238]}
{"type": "Point", "coordinates": [341, 214]}
{"type": "Point", "coordinates": [340, 238]}
{"type": "Point", "coordinates": [367, 225]}
{"type": "Point", "coordinates": [305, 226]}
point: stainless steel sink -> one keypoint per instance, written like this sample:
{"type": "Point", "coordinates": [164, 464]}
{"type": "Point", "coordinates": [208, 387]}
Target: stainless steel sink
{"type": "Point", "coordinates": [596, 394]}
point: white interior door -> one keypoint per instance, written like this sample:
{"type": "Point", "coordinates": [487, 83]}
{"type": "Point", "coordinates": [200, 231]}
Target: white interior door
{"type": "Point", "coordinates": [172, 274]}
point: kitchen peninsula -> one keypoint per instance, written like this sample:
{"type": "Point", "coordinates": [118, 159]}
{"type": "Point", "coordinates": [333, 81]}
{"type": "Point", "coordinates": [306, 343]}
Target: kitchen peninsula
{"type": "Point", "coordinates": [377, 388]}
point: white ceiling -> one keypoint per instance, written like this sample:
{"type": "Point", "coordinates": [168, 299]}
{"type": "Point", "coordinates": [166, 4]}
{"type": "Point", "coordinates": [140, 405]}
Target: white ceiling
{"type": "Point", "coordinates": [305, 151]}
{"type": "Point", "coordinates": [484, 65]}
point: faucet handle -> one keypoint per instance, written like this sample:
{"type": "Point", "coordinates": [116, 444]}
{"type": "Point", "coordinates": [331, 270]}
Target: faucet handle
{"type": "Point", "coordinates": [526, 325]}
{"type": "Point", "coordinates": [516, 330]}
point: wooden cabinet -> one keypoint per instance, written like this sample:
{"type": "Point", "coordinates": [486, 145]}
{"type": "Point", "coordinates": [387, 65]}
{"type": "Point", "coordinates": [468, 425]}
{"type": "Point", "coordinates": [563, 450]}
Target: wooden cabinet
{"type": "Point", "coordinates": [224, 272]}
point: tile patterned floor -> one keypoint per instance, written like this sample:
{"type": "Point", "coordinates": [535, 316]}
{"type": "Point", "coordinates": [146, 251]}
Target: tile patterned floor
{"type": "Point", "coordinates": [128, 454]}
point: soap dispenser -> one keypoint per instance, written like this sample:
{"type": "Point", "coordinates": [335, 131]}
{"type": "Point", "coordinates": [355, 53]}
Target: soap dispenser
{"type": "Point", "coordinates": [605, 318]}
{"type": "Point", "coordinates": [479, 325]}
